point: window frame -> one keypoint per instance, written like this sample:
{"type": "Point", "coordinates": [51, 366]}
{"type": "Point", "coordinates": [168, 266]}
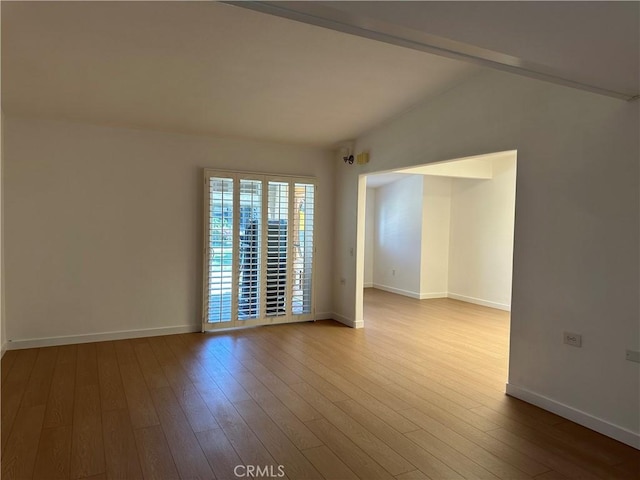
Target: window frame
{"type": "Point", "coordinates": [265, 178]}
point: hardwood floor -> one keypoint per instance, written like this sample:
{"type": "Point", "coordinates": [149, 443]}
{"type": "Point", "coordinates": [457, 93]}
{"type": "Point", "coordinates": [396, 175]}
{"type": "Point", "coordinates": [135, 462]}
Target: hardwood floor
{"type": "Point", "coordinates": [417, 394]}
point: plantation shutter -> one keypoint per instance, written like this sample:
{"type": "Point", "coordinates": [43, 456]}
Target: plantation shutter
{"type": "Point", "coordinates": [303, 254]}
{"type": "Point", "coordinates": [220, 260]}
{"type": "Point", "coordinates": [259, 249]}
{"type": "Point", "coordinates": [249, 291]}
{"type": "Point", "coordinates": [277, 254]}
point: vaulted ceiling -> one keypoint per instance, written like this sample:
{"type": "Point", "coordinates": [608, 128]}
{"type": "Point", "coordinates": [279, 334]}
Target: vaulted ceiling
{"type": "Point", "coordinates": [214, 68]}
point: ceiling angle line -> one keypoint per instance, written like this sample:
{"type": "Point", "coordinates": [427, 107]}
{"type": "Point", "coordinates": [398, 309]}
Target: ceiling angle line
{"type": "Point", "coordinates": [322, 16]}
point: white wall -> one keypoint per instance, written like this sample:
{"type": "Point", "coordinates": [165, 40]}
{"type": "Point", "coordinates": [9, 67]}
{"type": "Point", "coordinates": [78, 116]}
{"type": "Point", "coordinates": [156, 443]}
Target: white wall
{"type": "Point", "coordinates": [3, 335]}
{"type": "Point", "coordinates": [482, 222]}
{"type": "Point", "coordinates": [104, 225]}
{"type": "Point", "coordinates": [576, 255]}
{"type": "Point", "coordinates": [398, 238]}
{"type": "Point", "coordinates": [436, 219]}
{"type": "Point", "coordinates": [369, 236]}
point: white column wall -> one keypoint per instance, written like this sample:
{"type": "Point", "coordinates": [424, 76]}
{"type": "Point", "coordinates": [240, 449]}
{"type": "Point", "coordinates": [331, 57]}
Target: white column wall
{"type": "Point", "coordinates": [370, 232]}
{"type": "Point", "coordinates": [436, 220]}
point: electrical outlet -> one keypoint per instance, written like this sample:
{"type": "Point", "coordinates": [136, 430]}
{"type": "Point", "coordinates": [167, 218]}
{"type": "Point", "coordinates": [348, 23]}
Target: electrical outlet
{"type": "Point", "coordinates": [633, 356]}
{"type": "Point", "coordinates": [393, 273]}
{"type": "Point", "coordinates": [573, 339]}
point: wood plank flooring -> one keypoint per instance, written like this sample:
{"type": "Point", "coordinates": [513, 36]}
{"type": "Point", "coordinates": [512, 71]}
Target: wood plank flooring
{"type": "Point", "coordinates": [417, 394]}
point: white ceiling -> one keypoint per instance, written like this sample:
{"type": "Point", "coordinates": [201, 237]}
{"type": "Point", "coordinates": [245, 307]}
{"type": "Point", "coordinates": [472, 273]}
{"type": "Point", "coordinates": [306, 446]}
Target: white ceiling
{"type": "Point", "coordinates": [206, 67]}
{"type": "Point", "coordinates": [585, 44]}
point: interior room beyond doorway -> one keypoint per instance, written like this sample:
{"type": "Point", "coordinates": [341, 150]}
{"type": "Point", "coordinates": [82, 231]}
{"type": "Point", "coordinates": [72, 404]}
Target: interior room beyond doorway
{"type": "Point", "coordinates": [443, 230]}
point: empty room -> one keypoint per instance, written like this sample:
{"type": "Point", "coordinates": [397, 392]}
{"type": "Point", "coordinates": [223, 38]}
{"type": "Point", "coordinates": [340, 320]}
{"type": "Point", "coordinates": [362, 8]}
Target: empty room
{"type": "Point", "coordinates": [320, 240]}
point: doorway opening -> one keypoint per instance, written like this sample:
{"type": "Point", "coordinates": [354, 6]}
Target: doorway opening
{"type": "Point", "coordinates": [441, 230]}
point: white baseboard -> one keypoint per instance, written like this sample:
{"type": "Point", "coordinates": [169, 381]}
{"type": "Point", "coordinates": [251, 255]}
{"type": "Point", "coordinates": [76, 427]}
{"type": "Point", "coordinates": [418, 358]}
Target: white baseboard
{"type": "Point", "coordinates": [425, 296]}
{"type": "Point", "coordinates": [367, 285]}
{"type": "Point", "coordinates": [586, 420]}
{"type": "Point", "coordinates": [100, 337]}
{"type": "Point", "coordinates": [347, 321]}
{"type": "Point", "coordinates": [399, 291]}
{"type": "Point", "coordinates": [455, 296]}
{"type": "Point", "coordinates": [3, 349]}
{"type": "Point", "coordinates": [479, 301]}
{"type": "Point", "coordinates": [324, 316]}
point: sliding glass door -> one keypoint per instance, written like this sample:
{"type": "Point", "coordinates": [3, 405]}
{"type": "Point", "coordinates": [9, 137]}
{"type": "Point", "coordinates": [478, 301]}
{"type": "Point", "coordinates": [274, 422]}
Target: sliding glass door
{"type": "Point", "coordinates": [259, 250]}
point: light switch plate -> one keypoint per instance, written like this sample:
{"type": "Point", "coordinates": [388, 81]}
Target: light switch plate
{"type": "Point", "coordinates": [573, 339]}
